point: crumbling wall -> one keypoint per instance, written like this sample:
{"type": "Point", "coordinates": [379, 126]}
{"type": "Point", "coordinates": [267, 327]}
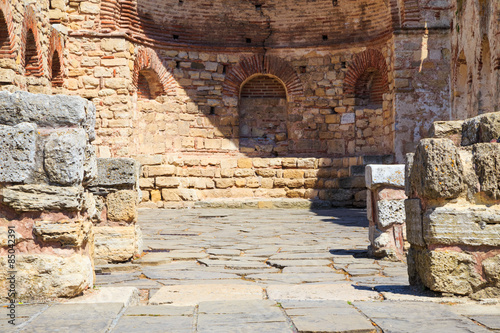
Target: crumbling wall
{"type": "Point", "coordinates": [452, 215]}
{"type": "Point", "coordinates": [46, 163]}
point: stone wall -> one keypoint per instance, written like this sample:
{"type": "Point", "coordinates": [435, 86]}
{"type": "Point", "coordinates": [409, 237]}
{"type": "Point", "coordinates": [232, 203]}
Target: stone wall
{"type": "Point", "coordinates": [177, 180]}
{"type": "Point", "coordinates": [47, 161]}
{"type": "Point", "coordinates": [452, 214]}
{"type": "Point", "coordinates": [385, 211]}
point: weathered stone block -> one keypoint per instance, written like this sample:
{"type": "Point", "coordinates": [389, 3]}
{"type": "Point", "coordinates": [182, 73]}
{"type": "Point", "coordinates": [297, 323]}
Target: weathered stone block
{"type": "Point", "coordinates": [491, 269]}
{"type": "Point", "coordinates": [17, 152]}
{"type": "Point", "coordinates": [447, 129]}
{"type": "Point", "coordinates": [64, 156]}
{"type": "Point", "coordinates": [390, 212]}
{"type": "Point", "coordinates": [47, 110]}
{"type": "Point", "coordinates": [170, 182]}
{"type": "Point", "coordinates": [414, 231]}
{"type": "Point", "coordinates": [437, 170]}
{"type": "Point", "coordinates": [115, 244]}
{"type": "Point", "coordinates": [41, 276]}
{"type": "Point", "coordinates": [408, 166]}
{"type": "Point", "coordinates": [71, 233]}
{"type": "Point", "coordinates": [483, 128]}
{"type": "Point", "coordinates": [116, 172]}
{"type": "Point", "coordinates": [26, 198]}
{"type": "Point", "coordinates": [89, 165]}
{"type": "Point", "coordinates": [443, 271]}
{"type": "Point", "coordinates": [486, 159]}
{"type": "Point", "coordinates": [462, 224]}
{"type": "Point", "coordinates": [224, 182]}
{"type": "Point", "coordinates": [122, 206]}
{"type": "Point", "coordinates": [159, 170]}
{"type": "Point", "coordinates": [377, 175]}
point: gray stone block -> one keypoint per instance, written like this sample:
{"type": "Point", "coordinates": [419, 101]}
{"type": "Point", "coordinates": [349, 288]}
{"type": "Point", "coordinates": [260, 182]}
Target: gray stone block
{"type": "Point", "coordinates": [17, 152]}
{"type": "Point", "coordinates": [28, 198]}
{"type": "Point", "coordinates": [64, 156]}
{"type": "Point", "coordinates": [466, 225]}
{"type": "Point", "coordinates": [486, 158]}
{"type": "Point", "coordinates": [408, 167]}
{"type": "Point", "coordinates": [47, 111]}
{"type": "Point", "coordinates": [117, 172]}
{"type": "Point", "coordinates": [390, 212]}
{"type": "Point", "coordinates": [437, 170]}
{"type": "Point", "coordinates": [483, 128]}
{"type": "Point", "coordinates": [89, 165]}
{"type": "Point", "coordinates": [414, 222]}
{"type": "Point", "coordinates": [446, 129]}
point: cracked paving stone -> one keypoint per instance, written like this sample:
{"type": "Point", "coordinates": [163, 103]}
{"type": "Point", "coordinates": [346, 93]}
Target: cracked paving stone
{"type": "Point", "coordinates": [337, 291]}
{"type": "Point", "coordinates": [69, 318]}
{"type": "Point", "coordinates": [224, 252]}
{"type": "Point", "coordinates": [154, 324]}
{"type": "Point", "coordinates": [189, 275]}
{"type": "Point", "coordinates": [287, 263]}
{"type": "Point", "coordinates": [299, 278]}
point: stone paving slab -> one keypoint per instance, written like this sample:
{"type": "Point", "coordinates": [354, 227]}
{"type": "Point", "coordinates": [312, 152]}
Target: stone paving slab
{"type": "Point", "coordinates": [124, 295]}
{"type": "Point", "coordinates": [416, 317]}
{"type": "Point", "coordinates": [183, 295]}
{"type": "Point", "coordinates": [71, 317]}
{"type": "Point", "coordinates": [490, 321]}
{"type": "Point", "coordinates": [340, 291]}
{"type": "Point", "coordinates": [154, 324]}
{"type": "Point", "coordinates": [22, 312]}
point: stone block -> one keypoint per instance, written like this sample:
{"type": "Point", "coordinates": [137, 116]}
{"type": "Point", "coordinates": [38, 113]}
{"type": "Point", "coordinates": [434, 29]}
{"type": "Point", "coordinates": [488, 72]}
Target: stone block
{"type": "Point", "coordinates": [460, 224]}
{"type": "Point", "coordinates": [17, 152]}
{"type": "Point", "coordinates": [483, 128]}
{"type": "Point", "coordinates": [244, 173]}
{"type": "Point", "coordinates": [89, 165]}
{"type": "Point", "coordinates": [122, 206]}
{"type": "Point", "coordinates": [447, 129]}
{"type": "Point", "coordinates": [188, 195]}
{"type": "Point", "coordinates": [27, 198]}
{"type": "Point", "coordinates": [289, 162]}
{"type": "Point", "coordinates": [414, 231]}
{"type": "Point", "coordinates": [390, 175]}
{"type": "Point", "coordinates": [437, 170]}
{"type": "Point", "coordinates": [486, 159]}
{"type": "Point", "coordinates": [160, 170]}
{"type": "Point", "coordinates": [245, 163]}
{"type": "Point", "coordinates": [115, 244]}
{"type": "Point", "coordinates": [224, 182]}
{"type": "Point", "coordinates": [117, 172]}
{"type": "Point", "coordinates": [169, 182]}
{"type": "Point", "coordinates": [47, 110]}
{"type": "Point", "coordinates": [64, 156]}
{"type": "Point", "coordinates": [443, 271]}
{"type": "Point", "coordinates": [43, 276]}
{"type": "Point", "coordinates": [491, 269]}
{"type": "Point", "coordinates": [296, 174]}
{"type": "Point", "coordinates": [408, 166]}
{"type": "Point", "coordinates": [170, 195]}
{"type": "Point", "coordinates": [70, 233]}
{"type": "Point", "coordinates": [390, 212]}
{"type": "Point", "coordinates": [266, 172]}
{"type": "Point", "coordinates": [352, 182]}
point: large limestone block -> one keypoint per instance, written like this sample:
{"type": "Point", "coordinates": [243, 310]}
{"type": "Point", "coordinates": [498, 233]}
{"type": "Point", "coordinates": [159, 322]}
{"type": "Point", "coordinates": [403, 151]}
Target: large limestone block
{"type": "Point", "coordinates": [486, 159]}
{"type": "Point", "coordinates": [64, 156]}
{"type": "Point", "coordinates": [437, 170]}
{"type": "Point", "coordinates": [117, 172]}
{"type": "Point", "coordinates": [444, 271]}
{"type": "Point", "coordinates": [491, 268]}
{"type": "Point", "coordinates": [483, 128]}
{"type": "Point", "coordinates": [70, 233]}
{"type": "Point", "coordinates": [27, 198]}
{"type": "Point", "coordinates": [41, 276]}
{"type": "Point", "coordinates": [115, 244]}
{"type": "Point", "coordinates": [391, 175]}
{"type": "Point", "coordinates": [17, 152]}
{"type": "Point", "coordinates": [390, 212]}
{"type": "Point", "coordinates": [462, 224]}
{"type": "Point", "coordinates": [122, 206]}
{"type": "Point", "coordinates": [47, 110]}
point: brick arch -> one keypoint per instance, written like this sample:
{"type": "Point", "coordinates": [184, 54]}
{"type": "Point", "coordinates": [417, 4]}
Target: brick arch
{"type": "Point", "coordinates": [364, 63]}
{"type": "Point", "coordinates": [266, 65]}
{"type": "Point", "coordinates": [29, 24]}
{"type": "Point", "coordinates": [56, 48]}
{"type": "Point", "coordinates": [147, 59]}
{"type": "Point", "coordinates": [7, 48]}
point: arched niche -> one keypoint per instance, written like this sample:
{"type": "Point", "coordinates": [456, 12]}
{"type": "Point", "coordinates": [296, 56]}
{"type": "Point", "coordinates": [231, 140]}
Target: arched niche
{"type": "Point", "coordinates": [263, 116]}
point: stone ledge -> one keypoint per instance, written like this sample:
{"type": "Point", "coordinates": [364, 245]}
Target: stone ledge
{"type": "Point", "coordinates": [392, 175]}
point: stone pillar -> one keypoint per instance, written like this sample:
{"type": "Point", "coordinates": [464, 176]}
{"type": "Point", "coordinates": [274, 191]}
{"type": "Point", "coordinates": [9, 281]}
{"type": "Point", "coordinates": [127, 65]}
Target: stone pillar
{"type": "Point", "coordinates": [453, 214]}
{"type": "Point", "coordinates": [117, 194]}
{"type": "Point", "coordinates": [46, 162]}
{"type": "Point", "coordinates": [385, 211]}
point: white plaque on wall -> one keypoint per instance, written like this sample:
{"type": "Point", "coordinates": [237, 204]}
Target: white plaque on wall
{"type": "Point", "coordinates": [348, 118]}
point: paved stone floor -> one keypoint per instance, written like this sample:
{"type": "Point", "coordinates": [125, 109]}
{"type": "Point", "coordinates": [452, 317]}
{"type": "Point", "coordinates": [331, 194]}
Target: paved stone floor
{"type": "Point", "coordinates": [215, 270]}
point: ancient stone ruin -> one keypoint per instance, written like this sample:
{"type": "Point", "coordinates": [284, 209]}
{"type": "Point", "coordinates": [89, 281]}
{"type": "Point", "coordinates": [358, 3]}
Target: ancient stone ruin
{"type": "Point", "coordinates": [452, 214]}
